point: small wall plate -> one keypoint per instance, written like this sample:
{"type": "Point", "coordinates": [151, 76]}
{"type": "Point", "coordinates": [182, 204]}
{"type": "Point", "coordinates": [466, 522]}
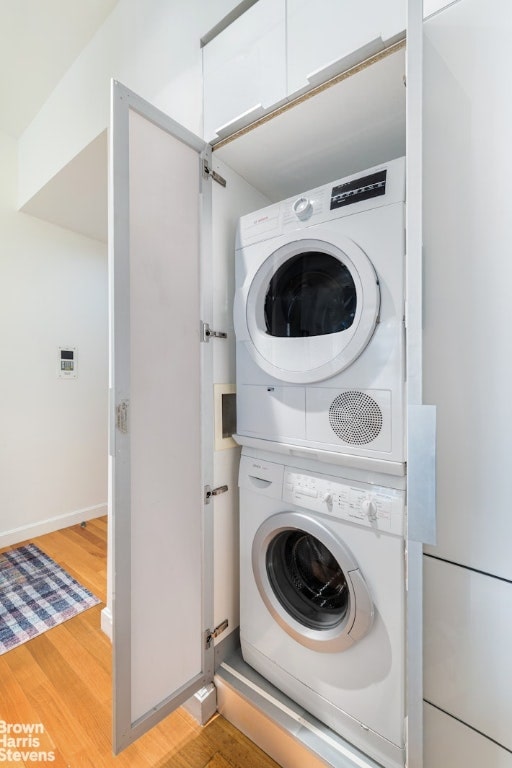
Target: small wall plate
{"type": "Point", "coordinates": [67, 363]}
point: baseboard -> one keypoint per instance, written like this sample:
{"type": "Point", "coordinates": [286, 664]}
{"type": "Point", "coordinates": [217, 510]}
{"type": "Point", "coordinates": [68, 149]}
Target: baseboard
{"type": "Point", "coordinates": [15, 535]}
{"type": "Point", "coordinates": [106, 622]}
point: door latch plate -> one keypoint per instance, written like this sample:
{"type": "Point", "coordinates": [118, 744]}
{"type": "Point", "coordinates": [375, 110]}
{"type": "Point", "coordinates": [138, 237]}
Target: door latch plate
{"type": "Point", "coordinates": [122, 416]}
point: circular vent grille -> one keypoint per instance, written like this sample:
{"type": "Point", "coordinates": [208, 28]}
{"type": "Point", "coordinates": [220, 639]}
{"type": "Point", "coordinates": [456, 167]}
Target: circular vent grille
{"type": "Point", "coordinates": [355, 417]}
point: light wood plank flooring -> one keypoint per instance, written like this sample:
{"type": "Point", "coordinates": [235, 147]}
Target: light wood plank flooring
{"type": "Point", "coordinates": [62, 679]}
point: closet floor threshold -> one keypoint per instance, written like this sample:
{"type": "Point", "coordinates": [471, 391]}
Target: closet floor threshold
{"type": "Point", "coordinates": [320, 745]}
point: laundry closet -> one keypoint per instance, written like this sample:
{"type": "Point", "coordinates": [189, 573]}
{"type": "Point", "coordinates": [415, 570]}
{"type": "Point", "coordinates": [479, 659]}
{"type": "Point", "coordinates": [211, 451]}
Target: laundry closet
{"type": "Point", "coordinates": [153, 48]}
{"type": "Point", "coordinates": [345, 123]}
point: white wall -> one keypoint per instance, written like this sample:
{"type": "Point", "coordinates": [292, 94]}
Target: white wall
{"type": "Point", "coordinates": [152, 47]}
{"type": "Point", "coordinates": [229, 203]}
{"type": "Point", "coordinates": [468, 370]}
{"type": "Point", "coordinates": [53, 446]}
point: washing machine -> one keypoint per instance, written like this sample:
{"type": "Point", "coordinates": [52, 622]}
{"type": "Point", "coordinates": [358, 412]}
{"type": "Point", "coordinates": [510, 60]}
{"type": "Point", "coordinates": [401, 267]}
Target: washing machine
{"type": "Point", "coordinates": [322, 594]}
{"type": "Point", "coordinates": [319, 318]}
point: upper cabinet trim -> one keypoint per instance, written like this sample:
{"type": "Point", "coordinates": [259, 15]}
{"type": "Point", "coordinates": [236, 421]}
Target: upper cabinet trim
{"type": "Point", "coordinates": [232, 16]}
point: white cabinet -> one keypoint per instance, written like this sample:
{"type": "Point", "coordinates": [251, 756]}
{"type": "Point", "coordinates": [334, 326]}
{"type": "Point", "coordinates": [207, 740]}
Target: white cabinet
{"type": "Point", "coordinates": [328, 37]}
{"type": "Point", "coordinates": [433, 6]}
{"type": "Point", "coordinates": [467, 369]}
{"type": "Point", "coordinates": [467, 661]}
{"type": "Point", "coordinates": [244, 69]}
{"type": "Point", "coordinates": [451, 744]}
{"type": "Point", "coordinates": [280, 48]}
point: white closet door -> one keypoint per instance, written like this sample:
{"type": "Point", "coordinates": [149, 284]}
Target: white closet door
{"type": "Point", "coordinates": [160, 611]}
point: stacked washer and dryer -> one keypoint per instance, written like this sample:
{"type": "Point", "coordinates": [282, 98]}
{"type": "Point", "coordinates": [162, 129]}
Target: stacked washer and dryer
{"type": "Point", "coordinates": [320, 346]}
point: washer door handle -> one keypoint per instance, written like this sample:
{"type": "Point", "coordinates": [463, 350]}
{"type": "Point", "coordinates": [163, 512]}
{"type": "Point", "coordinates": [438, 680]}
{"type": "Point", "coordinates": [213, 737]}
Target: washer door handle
{"type": "Point", "coordinates": [364, 611]}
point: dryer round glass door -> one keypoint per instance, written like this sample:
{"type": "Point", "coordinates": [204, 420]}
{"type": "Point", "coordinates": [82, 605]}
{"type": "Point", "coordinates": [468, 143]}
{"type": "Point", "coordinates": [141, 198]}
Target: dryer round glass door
{"type": "Point", "coordinates": [312, 308]}
{"type": "Point", "coordinates": [311, 294]}
{"type": "Point", "coordinates": [310, 582]}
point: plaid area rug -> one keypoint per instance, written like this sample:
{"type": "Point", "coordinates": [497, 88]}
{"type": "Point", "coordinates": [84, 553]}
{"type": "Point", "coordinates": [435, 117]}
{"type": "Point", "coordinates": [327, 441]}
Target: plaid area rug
{"type": "Point", "coordinates": [36, 594]}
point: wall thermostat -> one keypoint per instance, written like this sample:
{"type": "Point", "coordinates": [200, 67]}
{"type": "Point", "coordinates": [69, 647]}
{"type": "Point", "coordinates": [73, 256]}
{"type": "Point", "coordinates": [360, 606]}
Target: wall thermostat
{"type": "Point", "coordinates": [67, 366]}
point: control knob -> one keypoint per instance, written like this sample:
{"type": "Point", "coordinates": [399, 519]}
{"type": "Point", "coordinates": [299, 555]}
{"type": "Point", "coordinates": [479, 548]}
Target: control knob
{"type": "Point", "coordinates": [369, 508]}
{"type": "Point", "coordinates": [327, 497]}
{"type": "Point", "coordinates": [303, 208]}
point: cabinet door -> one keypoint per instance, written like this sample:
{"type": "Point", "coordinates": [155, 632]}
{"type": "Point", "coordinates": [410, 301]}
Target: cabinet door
{"type": "Point", "coordinates": [433, 6]}
{"type": "Point", "coordinates": [244, 69]}
{"type": "Point", "coordinates": [328, 37]}
{"type": "Point", "coordinates": [159, 369]}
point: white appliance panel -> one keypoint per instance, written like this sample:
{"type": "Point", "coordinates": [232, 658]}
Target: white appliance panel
{"type": "Point", "coordinates": [271, 411]}
{"type": "Point", "coordinates": [328, 418]}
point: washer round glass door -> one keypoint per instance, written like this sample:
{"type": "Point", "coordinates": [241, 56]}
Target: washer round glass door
{"type": "Point", "coordinates": [310, 582]}
{"type": "Point", "coordinates": [312, 308]}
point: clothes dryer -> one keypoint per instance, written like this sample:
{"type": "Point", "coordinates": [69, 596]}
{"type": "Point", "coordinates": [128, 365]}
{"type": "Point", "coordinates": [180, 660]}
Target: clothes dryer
{"type": "Point", "coordinates": [322, 596]}
{"type": "Point", "coordinates": [319, 318]}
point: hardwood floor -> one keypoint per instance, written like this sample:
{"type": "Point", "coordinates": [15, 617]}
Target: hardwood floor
{"type": "Point", "coordinates": [62, 680]}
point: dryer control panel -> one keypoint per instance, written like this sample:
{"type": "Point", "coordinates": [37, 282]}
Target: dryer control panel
{"type": "Point", "coordinates": [369, 505]}
{"type": "Point", "coordinates": [375, 187]}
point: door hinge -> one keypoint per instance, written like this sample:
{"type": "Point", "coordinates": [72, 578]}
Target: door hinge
{"type": "Point", "coordinates": [122, 416]}
{"type": "Point", "coordinates": [209, 635]}
{"type": "Point", "coordinates": [209, 173]}
{"type": "Point", "coordinates": [207, 333]}
{"type": "Point", "coordinates": [209, 492]}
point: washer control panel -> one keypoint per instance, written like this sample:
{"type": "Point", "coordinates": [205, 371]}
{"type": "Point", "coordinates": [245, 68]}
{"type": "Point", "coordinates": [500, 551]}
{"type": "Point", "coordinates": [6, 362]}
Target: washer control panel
{"type": "Point", "coordinates": [369, 505]}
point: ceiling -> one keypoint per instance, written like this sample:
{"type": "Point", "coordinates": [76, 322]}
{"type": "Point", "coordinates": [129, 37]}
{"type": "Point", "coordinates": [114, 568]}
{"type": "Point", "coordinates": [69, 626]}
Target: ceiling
{"type": "Point", "coordinates": [40, 39]}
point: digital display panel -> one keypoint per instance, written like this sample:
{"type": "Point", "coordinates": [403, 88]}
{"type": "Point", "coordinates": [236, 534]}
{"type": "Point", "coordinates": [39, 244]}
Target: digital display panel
{"type": "Point", "coordinates": [363, 188]}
